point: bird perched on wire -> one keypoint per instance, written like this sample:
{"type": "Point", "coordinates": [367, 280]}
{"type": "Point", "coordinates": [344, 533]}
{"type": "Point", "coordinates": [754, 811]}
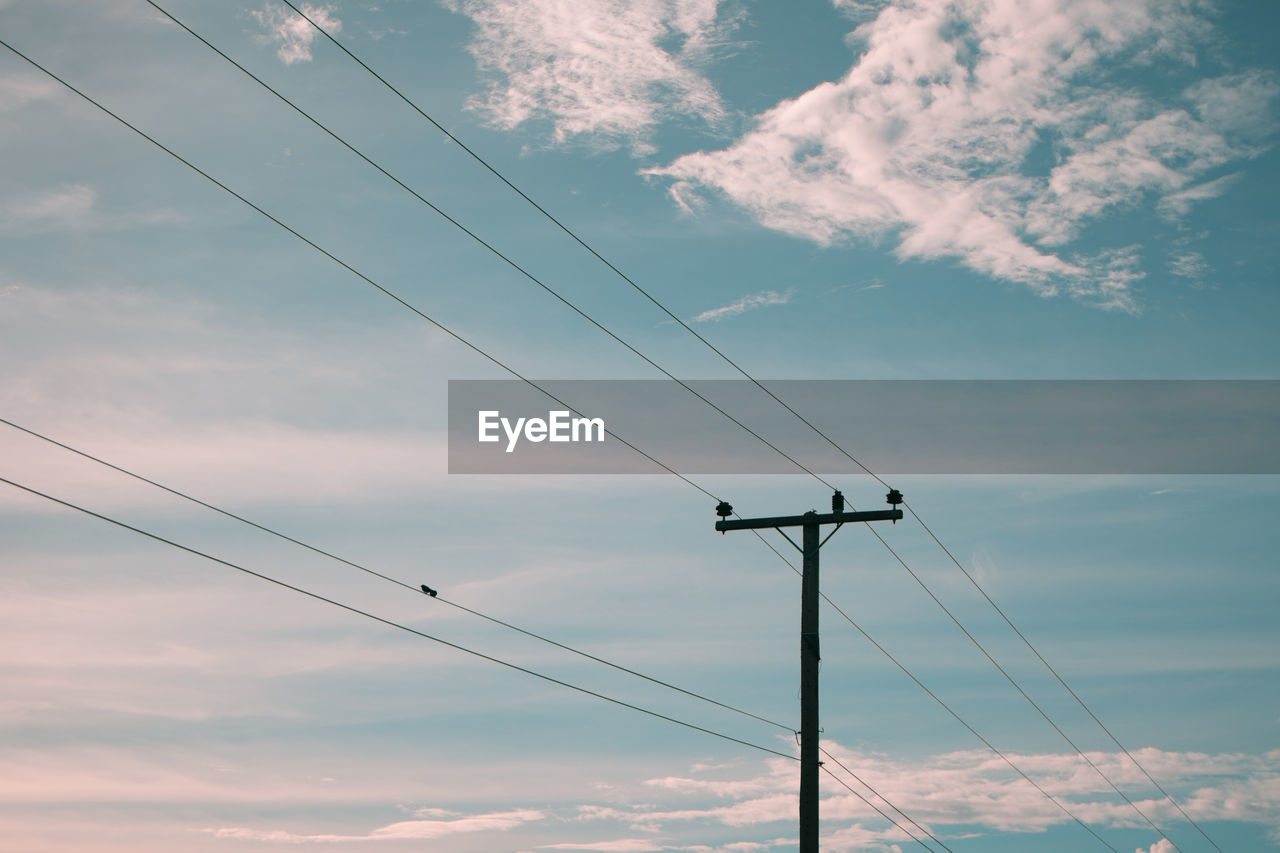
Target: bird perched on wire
{"type": "Point", "coordinates": [429, 591]}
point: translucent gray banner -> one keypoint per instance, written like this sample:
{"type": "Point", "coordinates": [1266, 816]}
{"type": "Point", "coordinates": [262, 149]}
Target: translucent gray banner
{"type": "Point", "coordinates": [891, 426]}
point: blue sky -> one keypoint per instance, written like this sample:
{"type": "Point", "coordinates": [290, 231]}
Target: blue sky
{"type": "Point", "coordinates": [983, 189]}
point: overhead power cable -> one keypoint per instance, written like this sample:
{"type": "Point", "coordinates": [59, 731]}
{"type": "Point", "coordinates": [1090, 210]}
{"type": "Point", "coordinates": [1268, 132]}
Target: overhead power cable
{"type": "Point", "coordinates": [936, 698]}
{"type": "Point", "coordinates": [867, 785]}
{"type": "Point", "coordinates": [388, 292]}
{"type": "Point", "coordinates": [436, 596]}
{"type": "Point", "coordinates": [442, 599]}
{"type": "Point", "coordinates": [1061, 680]}
{"type": "Point", "coordinates": [493, 249]}
{"type": "Point", "coordinates": [568, 231]}
{"type": "Point", "coordinates": [488, 246]}
{"type": "Point", "coordinates": [417, 590]}
{"type": "Point", "coordinates": [1018, 687]}
{"type": "Point", "coordinates": [366, 279]}
{"type": "Point", "coordinates": [393, 624]}
{"type": "Point", "coordinates": [422, 634]}
{"type": "Point", "coordinates": [864, 799]}
{"type": "Point", "coordinates": [738, 368]}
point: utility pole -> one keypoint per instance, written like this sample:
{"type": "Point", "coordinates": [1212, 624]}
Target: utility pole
{"type": "Point", "coordinates": [811, 521]}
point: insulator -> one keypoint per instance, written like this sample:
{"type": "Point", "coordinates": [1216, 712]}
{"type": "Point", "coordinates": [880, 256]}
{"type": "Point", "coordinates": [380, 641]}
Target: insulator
{"type": "Point", "coordinates": [893, 498]}
{"type": "Point", "coordinates": [723, 509]}
{"type": "Point", "coordinates": [837, 502]}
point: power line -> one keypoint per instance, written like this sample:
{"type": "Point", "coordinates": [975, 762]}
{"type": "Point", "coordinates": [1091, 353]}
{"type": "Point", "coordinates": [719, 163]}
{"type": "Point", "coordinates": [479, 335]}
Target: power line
{"type": "Point", "coordinates": [426, 636]}
{"type": "Point", "coordinates": [624, 277]}
{"type": "Point", "coordinates": [906, 831]}
{"type": "Point", "coordinates": [1018, 687]}
{"type": "Point", "coordinates": [386, 292]}
{"type": "Point", "coordinates": [607, 663]}
{"type": "Point", "coordinates": [934, 696]}
{"type": "Point", "coordinates": [346, 266]}
{"type": "Point", "coordinates": [1059, 678]}
{"type": "Point", "coordinates": [272, 531]}
{"type": "Point", "coordinates": [421, 314]}
{"type": "Point", "coordinates": [867, 785]}
{"type": "Point", "coordinates": [488, 246]}
{"type": "Point", "coordinates": [738, 368]}
{"type": "Point", "coordinates": [414, 589]}
{"type": "Point", "coordinates": [568, 231]}
{"type": "Point", "coordinates": [465, 609]}
{"type": "Point", "coordinates": [493, 249]}
{"type": "Point", "coordinates": [394, 624]}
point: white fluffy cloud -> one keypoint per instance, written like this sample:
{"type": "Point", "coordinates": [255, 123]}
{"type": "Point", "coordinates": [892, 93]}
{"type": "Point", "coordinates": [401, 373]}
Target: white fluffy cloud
{"type": "Point", "coordinates": [989, 131]}
{"type": "Point", "coordinates": [608, 69]}
{"type": "Point", "coordinates": [293, 35]}
{"type": "Point", "coordinates": [1164, 845]}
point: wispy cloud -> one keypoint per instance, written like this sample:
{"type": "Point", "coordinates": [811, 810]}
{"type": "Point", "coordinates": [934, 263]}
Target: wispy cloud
{"type": "Point", "coordinates": [293, 35]}
{"type": "Point", "coordinates": [1177, 205]}
{"type": "Point", "coordinates": [746, 303]}
{"type": "Point", "coordinates": [18, 90]}
{"type": "Point", "coordinates": [622, 845]}
{"type": "Point", "coordinates": [74, 207]}
{"type": "Point", "coordinates": [605, 69]}
{"type": "Point", "coordinates": [990, 132]}
{"type": "Point", "coordinates": [59, 207]}
{"type": "Point", "coordinates": [1190, 265]}
{"type": "Point", "coordinates": [400, 831]}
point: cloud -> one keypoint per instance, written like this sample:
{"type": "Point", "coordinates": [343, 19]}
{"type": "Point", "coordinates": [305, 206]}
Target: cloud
{"type": "Point", "coordinates": [623, 845]}
{"type": "Point", "coordinates": [746, 303]}
{"type": "Point", "coordinates": [1175, 206]}
{"type": "Point", "coordinates": [18, 90]}
{"type": "Point", "coordinates": [1190, 265]}
{"type": "Point", "coordinates": [74, 207]}
{"type": "Point", "coordinates": [976, 790]}
{"type": "Point", "coordinates": [860, 10]}
{"type": "Point", "coordinates": [989, 131]}
{"type": "Point", "coordinates": [247, 462]}
{"type": "Point", "coordinates": [401, 831]}
{"type": "Point", "coordinates": [291, 32]}
{"type": "Point", "coordinates": [1164, 845]}
{"type": "Point", "coordinates": [65, 206]}
{"type": "Point", "coordinates": [607, 69]}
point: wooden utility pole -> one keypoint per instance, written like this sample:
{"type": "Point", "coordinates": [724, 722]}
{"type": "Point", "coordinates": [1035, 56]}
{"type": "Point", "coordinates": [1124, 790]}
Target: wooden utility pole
{"type": "Point", "coordinates": [811, 521]}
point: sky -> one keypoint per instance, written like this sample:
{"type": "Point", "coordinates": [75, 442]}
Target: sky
{"type": "Point", "coordinates": [839, 189]}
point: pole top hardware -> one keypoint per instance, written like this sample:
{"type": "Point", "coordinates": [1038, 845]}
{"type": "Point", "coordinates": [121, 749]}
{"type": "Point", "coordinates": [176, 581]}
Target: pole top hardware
{"type": "Point", "coordinates": [893, 499]}
{"type": "Point", "coordinates": [837, 501]}
{"type": "Point", "coordinates": [724, 510]}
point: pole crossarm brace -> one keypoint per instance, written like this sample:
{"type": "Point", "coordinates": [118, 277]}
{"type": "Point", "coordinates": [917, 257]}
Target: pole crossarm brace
{"type": "Point", "coordinates": [808, 518]}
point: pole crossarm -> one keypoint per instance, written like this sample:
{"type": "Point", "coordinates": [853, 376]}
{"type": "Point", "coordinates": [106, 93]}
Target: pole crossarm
{"type": "Point", "coordinates": [808, 518]}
